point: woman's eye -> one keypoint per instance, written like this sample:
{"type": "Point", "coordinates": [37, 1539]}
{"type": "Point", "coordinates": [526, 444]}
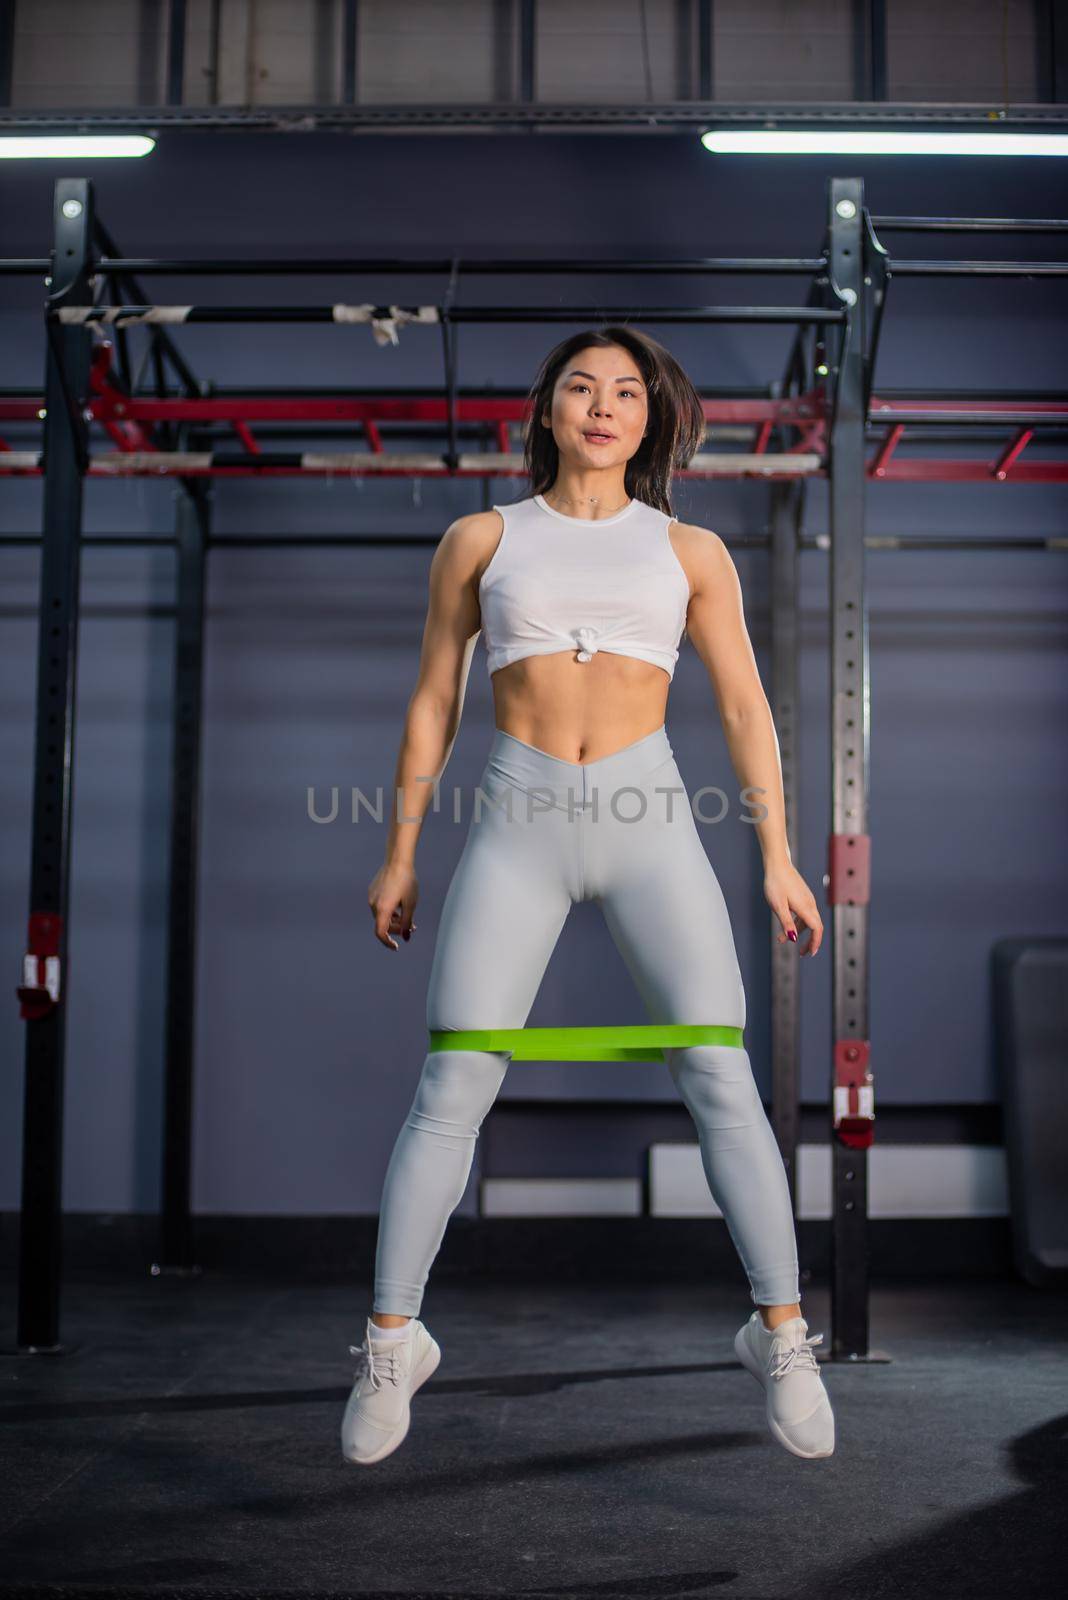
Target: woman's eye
{"type": "Point", "coordinates": [576, 387]}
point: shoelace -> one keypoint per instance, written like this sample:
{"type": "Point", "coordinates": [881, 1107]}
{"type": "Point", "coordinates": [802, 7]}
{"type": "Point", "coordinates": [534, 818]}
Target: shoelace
{"type": "Point", "coordinates": [795, 1355]}
{"type": "Point", "coordinates": [368, 1361]}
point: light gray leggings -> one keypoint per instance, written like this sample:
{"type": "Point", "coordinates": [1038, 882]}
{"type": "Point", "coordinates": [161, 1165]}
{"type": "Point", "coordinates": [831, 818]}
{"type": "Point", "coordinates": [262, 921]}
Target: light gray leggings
{"type": "Point", "coordinates": [550, 834]}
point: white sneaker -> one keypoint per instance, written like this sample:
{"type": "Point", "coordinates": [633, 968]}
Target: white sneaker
{"type": "Point", "coordinates": [799, 1411]}
{"type": "Point", "coordinates": [388, 1373]}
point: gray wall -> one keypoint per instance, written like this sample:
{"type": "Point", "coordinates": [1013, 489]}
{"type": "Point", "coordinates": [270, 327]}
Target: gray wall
{"type": "Point", "coordinates": [310, 1036]}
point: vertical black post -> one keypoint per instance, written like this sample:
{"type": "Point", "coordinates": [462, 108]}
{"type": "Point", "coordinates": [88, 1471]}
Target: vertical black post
{"type": "Point", "coordinates": [7, 50]}
{"type": "Point", "coordinates": [348, 53]}
{"type": "Point", "coordinates": [852, 1126]}
{"type": "Point", "coordinates": [878, 49]}
{"type": "Point", "coordinates": [214, 71]}
{"type": "Point", "coordinates": [176, 1230]}
{"type": "Point", "coordinates": [505, 55]}
{"type": "Point", "coordinates": [528, 33]}
{"type": "Point", "coordinates": [67, 359]}
{"type": "Point", "coordinates": [449, 339]}
{"type": "Point", "coordinates": [705, 34]}
{"type": "Point", "coordinates": [869, 49]}
{"type": "Point", "coordinates": [786, 501]}
{"type": "Point", "coordinates": [175, 69]}
{"type": "Point", "coordinates": [1052, 44]}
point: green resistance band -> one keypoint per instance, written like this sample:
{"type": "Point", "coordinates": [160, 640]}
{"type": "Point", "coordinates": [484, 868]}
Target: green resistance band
{"type": "Point", "coordinates": [641, 1042]}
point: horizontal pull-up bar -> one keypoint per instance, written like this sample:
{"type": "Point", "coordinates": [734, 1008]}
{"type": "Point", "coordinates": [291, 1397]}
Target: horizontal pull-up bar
{"type": "Point", "coordinates": [970, 224]}
{"type": "Point", "coordinates": [801, 266]}
{"type": "Point", "coordinates": [130, 315]}
{"type": "Point", "coordinates": [394, 266]}
{"type": "Point", "coordinates": [978, 269]}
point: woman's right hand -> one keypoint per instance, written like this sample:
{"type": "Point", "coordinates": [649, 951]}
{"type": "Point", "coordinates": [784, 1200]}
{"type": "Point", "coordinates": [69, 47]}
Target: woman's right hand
{"type": "Point", "coordinates": [392, 897]}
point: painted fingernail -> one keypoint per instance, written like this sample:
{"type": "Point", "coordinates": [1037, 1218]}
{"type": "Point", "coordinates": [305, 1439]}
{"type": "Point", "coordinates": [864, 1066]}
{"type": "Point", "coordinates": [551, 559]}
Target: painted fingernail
{"type": "Point", "coordinates": [790, 934]}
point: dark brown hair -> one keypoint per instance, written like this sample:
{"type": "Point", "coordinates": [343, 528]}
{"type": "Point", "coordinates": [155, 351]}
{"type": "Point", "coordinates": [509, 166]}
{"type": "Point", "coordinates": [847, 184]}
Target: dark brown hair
{"type": "Point", "coordinates": [676, 418]}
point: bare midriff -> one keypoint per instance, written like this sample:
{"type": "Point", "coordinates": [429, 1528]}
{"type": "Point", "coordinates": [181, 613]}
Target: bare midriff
{"type": "Point", "coordinates": [576, 710]}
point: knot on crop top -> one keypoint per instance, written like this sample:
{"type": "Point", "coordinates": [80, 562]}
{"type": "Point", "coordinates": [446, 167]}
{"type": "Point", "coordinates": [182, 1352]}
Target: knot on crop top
{"type": "Point", "coordinates": [587, 648]}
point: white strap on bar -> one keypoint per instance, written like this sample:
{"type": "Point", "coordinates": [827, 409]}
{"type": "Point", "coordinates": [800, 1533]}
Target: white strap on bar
{"type": "Point", "coordinates": [119, 461]}
{"type": "Point", "coordinates": [371, 461]}
{"type": "Point", "coordinates": [384, 329]}
{"type": "Point", "coordinates": [492, 461]}
{"type": "Point", "coordinates": [120, 318]}
{"type": "Point", "coordinates": [766, 465]}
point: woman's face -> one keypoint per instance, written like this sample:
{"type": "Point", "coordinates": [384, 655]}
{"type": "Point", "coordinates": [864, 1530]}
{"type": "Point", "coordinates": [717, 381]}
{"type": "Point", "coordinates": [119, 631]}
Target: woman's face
{"type": "Point", "coordinates": [599, 391]}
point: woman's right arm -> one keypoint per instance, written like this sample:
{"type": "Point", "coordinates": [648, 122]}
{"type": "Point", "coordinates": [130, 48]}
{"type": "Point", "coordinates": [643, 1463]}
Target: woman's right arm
{"type": "Point", "coordinates": [432, 722]}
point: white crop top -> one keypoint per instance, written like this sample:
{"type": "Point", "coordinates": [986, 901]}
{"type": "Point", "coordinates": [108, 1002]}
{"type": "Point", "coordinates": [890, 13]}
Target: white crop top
{"type": "Point", "coordinates": [567, 583]}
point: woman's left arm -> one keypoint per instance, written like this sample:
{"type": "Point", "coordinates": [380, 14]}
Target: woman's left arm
{"type": "Point", "coordinates": [715, 621]}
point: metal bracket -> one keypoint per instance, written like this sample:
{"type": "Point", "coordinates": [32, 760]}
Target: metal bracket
{"type": "Point", "coordinates": [39, 990]}
{"type": "Point", "coordinates": [854, 1093]}
{"type": "Point", "coordinates": [849, 869]}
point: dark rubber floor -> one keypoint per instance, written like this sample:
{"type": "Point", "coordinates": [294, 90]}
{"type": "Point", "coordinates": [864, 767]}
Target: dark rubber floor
{"type": "Point", "coordinates": [593, 1441]}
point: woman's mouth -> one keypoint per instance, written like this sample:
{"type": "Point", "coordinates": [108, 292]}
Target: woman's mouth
{"type": "Point", "coordinates": [600, 438]}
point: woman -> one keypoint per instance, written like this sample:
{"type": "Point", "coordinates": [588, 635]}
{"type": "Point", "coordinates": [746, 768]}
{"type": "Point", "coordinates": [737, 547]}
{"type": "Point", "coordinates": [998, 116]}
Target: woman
{"type": "Point", "coordinates": [583, 591]}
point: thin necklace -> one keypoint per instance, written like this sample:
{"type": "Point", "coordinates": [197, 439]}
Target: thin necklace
{"type": "Point", "coordinates": [592, 500]}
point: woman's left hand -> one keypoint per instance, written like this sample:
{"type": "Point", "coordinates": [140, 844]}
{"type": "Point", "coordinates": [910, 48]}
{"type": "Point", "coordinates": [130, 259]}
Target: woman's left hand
{"type": "Point", "coordinates": [790, 897]}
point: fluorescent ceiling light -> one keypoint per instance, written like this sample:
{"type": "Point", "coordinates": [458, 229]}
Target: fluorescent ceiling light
{"type": "Point", "coordinates": [879, 142]}
{"type": "Point", "coordinates": [73, 146]}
